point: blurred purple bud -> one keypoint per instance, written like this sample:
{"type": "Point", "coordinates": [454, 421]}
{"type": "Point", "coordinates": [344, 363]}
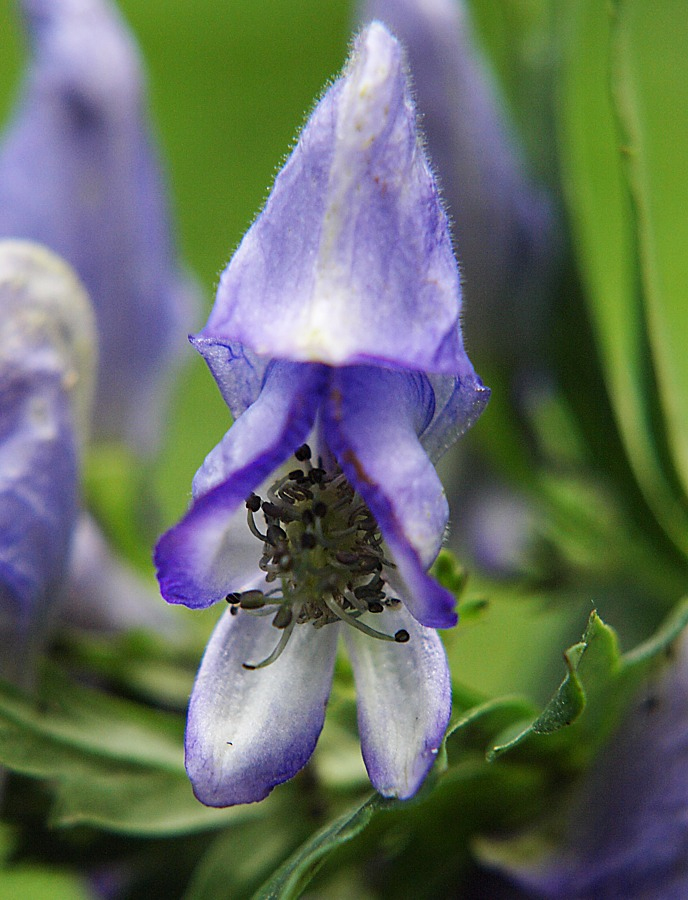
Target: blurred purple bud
{"type": "Point", "coordinates": [79, 173]}
{"type": "Point", "coordinates": [105, 594]}
{"type": "Point", "coordinates": [47, 346]}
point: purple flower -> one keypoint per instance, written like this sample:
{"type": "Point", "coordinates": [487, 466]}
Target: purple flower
{"type": "Point", "coordinates": [47, 342]}
{"type": "Point", "coordinates": [337, 324]}
{"type": "Point", "coordinates": [79, 173]}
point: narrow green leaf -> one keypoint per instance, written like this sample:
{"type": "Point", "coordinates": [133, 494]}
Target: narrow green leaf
{"type": "Point", "coordinates": [602, 221]}
{"type": "Point", "coordinates": [292, 877]}
{"type": "Point", "coordinates": [110, 763]}
{"type": "Point", "coordinates": [650, 79]}
{"type": "Point", "coordinates": [592, 698]}
{"type": "Point", "coordinates": [563, 709]}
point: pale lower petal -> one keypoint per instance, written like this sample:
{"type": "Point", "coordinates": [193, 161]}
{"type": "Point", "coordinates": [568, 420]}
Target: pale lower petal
{"type": "Point", "coordinates": [248, 731]}
{"type": "Point", "coordinates": [404, 702]}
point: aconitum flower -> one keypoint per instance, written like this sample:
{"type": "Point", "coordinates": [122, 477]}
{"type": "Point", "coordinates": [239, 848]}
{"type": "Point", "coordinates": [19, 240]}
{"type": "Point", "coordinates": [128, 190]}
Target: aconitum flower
{"type": "Point", "coordinates": [47, 360]}
{"type": "Point", "coordinates": [79, 173]}
{"type": "Point", "coordinates": [335, 341]}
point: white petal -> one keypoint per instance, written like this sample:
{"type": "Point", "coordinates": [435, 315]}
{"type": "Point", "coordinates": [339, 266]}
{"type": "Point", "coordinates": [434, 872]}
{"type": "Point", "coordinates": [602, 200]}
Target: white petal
{"type": "Point", "coordinates": [249, 730]}
{"type": "Point", "coordinates": [404, 701]}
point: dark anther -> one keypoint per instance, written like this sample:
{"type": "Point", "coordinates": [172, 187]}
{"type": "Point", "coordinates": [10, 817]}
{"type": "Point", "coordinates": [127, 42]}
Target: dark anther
{"type": "Point", "coordinates": [253, 503]}
{"type": "Point", "coordinates": [371, 564]}
{"type": "Point", "coordinates": [282, 617]}
{"type": "Point", "coordinates": [271, 510]}
{"type": "Point", "coordinates": [276, 535]}
{"type": "Point", "coordinates": [317, 475]}
{"type": "Point", "coordinates": [373, 589]}
{"type": "Point", "coordinates": [401, 636]}
{"type": "Point", "coordinates": [233, 610]}
{"type": "Point", "coordinates": [296, 475]}
{"type": "Point", "coordinates": [234, 597]}
{"type": "Point", "coordinates": [346, 557]}
{"type": "Point", "coordinates": [319, 509]}
{"type": "Point", "coordinates": [303, 453]}
{"type": "Point", "coordinates": [367, 523]}
{"type": "Point", "coordinates": [308, 541]}
{"type": "Point", "coordinates": [376, 607]}
{"type": "Point", "coordinates": [252, 600]}
{"type": "Point", "coordinates": [393, 603]}
{"type": "Point", "coordinates": [307, 517]}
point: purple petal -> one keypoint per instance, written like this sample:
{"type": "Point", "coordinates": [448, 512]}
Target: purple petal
{"type": "Point", "coordinates": [459, 402]}
{"type": "Point", "coordinates": [371, 422]}
{"type": "Point", "coordinates": [351, 259]}
{"type": "Point", "coordinates": [46, 345]}
{"type": "Point", "coordinates": [404, 702]}
{"type": "Point", "coordinates": [79, 173]}
{"type": "Point", "coordinates": [201, 559]}
{"type": "Point", "coordinates": [237, 370]}
{"type": "Point", "coordinates": [248, 731]}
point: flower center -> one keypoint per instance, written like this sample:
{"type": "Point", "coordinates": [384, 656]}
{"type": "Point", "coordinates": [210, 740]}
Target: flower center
{"type": "Point", "coordinates": [323, 550]}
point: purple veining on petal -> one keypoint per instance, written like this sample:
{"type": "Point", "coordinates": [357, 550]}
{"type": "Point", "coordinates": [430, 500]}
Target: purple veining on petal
{"type": "Point", "coordinates": [238, 371]}
{"type": "Point", "coordinates": [371, 422]}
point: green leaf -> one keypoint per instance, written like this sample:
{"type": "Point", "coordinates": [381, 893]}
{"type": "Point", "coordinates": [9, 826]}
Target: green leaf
{"type": "Point", "coordinates": [449, 572]}
{"type": "Point", "coordinates": [594, 694]}
{"type": "Point", "coordinates": [292, 877]}
{"type": "Point", "coordinates": [563, 709]}
{"type": "Point", "coordinates": [110, 763]}
{"type": "Point", "coordinates": [603, 226]}
{"type": "Point", "coordinates": [613, 687]}
{"type": "Point", "coordinates": [650, 79]}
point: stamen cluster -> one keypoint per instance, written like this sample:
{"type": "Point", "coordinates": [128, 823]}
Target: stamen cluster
{"type": "Point", "coordinates": [323, 550]}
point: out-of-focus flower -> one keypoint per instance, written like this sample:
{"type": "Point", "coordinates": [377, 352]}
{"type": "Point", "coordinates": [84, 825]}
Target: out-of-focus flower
{"type": "Point", "coordinates": [104, 593]}
{"type": "Point", "coordinates": [79, 173]}
{"type": "Point", "coordinates": [624, 832]}
{"type": "Point", "coordinates": [502, 222]}
{"type": "Point", "coordinates": [47, 360]}
{"type": "Point", "coordinates": [336, 322]}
